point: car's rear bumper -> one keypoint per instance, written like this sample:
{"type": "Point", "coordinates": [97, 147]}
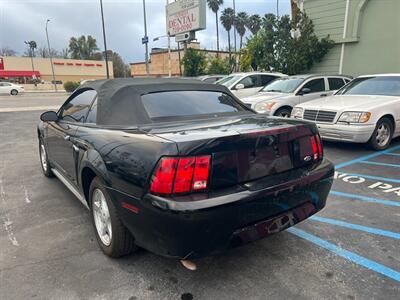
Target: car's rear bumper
{"type": "Point", "coordinates": [346, 133]}
{"type": "Point", "coordinates": [196, 228]}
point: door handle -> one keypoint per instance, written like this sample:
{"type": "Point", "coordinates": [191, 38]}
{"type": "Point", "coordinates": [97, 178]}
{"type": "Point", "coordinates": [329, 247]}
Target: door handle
{"type": "Point", "coordinates": [67, 138]}
{"type": "Point", "coordinates": [324, 95]}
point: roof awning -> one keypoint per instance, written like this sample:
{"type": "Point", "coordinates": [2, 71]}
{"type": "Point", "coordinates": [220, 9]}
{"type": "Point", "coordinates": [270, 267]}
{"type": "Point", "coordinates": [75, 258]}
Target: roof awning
{"type": "Point", "coordinates": [19, 73]}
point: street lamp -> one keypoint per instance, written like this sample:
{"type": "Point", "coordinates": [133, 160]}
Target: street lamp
{"type": "Point", "coordinates": [104, 38]}
{"type": "Point", "coordinates": [145, 40]}
{"type": "Point", "coordinates": [51, 59]}
{"type": "Point", "coordinates": [169, 51]}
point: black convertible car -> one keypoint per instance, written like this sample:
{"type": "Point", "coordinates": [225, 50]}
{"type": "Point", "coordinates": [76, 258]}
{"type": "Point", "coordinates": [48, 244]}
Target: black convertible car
{"type": "Point", "coordinates": [181, 168]}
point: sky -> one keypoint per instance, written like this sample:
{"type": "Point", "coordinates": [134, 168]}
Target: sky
{"type": "Point", "coordinates": [22, 20]}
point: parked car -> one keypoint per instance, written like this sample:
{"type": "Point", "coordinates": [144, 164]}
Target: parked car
{"type": "Point", "coordinates": [280, 96]}
{"type": "Point", "coordinates": [367, 110]}
{"type": "Point", "coordinates": [10, 88]}
{"type": "Point", "coordinates": [211, 78]}
{"type": "Point", "coordinates": [180, 177]}
{"type": "Point", "coordinates": [248, 84]}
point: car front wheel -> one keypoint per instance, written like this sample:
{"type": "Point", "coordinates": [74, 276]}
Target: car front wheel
{"type": "Point", "coordinates": [382, 136]}
{"type": "Point", "coordinates": [14, 92]}
{"type": "Point", "coordinates": [112, 236]}
{"type": "Point", "coordinates": [44, 160]}
{"type": "Point", "coordinates": [283, 112]}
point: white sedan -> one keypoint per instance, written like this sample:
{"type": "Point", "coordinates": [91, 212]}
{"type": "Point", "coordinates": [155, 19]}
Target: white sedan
{"type": "Point", "coordinates": [367, 110]}
{"type": "Point", "coordinates": [10, 88]}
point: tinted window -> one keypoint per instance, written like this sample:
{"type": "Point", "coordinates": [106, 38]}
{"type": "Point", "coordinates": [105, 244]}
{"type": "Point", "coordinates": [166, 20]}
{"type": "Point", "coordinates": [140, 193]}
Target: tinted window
{"type": "Point", "coordinates": [383, 85]}
{"type": "Point", "coordinates": [76, 109]}
{"type": "Point", "coordinates": [249, 81]}
{"type": "Point", "coordinates": [316, 85]}
{"type": "Point", "coordinates": [189, 103]}
{"type": "Point", "coordinates": [265, 79]}
{"type": "Point", "coordinates": [91, 118]}
{"type": "Point", "coordinates": [335, 83]}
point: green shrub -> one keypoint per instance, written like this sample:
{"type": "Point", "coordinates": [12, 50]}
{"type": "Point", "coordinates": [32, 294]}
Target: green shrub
{"type": "Point", "coordinates": [71, 86]}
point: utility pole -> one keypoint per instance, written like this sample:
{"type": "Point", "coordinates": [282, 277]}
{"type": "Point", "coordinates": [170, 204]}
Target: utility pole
{"type": "Point", "coordinates": [145, 39]}
{"type": "Point", "coordinates": [277, 8]}
{"type": "Point", "coordinates": [169, 48]}
{"type": "Point", "coordinates": [179, 58]}
{"type": "Point", "coordinates": [51, 59]}
{"type": "Point", "coordinates": [234, 31]}
{"type": "Point", "coordinates": [104, 38]}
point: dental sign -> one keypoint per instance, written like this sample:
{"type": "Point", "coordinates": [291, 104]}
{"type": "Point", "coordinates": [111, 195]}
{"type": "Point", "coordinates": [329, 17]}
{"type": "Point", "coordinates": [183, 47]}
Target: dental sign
{"type": "Point", "coordinates": [185, 16]}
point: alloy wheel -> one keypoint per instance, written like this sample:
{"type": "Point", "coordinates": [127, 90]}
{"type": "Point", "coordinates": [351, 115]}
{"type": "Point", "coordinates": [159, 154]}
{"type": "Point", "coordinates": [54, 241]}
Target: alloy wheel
{"type": "Point", "coordinates": [102, 219]}
{"type": "Point", "coordinates": [383, 135]}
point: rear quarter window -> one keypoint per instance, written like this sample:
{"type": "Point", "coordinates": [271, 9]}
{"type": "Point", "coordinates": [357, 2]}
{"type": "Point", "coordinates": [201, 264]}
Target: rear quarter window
{"type": "Point", "coordinates": [176, 104]}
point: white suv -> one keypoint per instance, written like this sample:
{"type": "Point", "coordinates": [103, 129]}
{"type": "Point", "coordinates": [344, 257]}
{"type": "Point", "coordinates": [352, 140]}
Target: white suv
{"type": "Point", "coordinates": [280, 96]}
{"type": "Point", "coordinates": [248, 84]}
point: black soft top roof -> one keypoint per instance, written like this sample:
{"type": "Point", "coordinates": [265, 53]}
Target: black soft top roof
{"type": "Point", "coordinates": [118, 100]}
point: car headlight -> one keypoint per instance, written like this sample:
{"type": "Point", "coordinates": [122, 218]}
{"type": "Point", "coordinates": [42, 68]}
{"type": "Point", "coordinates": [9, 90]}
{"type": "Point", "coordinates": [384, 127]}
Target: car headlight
{"type": "Point", "coordinates": [297, 113]}
{"type": "Point", "coordinates": [263, 107]}
{"type": "Point", "coordinates": [355, 117]}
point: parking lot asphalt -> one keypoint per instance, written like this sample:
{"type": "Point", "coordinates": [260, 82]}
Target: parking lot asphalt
{"type": "Point", "coordinates": [350, 250]}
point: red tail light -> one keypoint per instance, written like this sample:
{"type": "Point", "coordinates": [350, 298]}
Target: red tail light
{"type": "Point", "coordinates": [181, 175]}
{"type": "Point", "coordinates": [316, 146]}
{"type": "Point", "coordinates": [320, 148]}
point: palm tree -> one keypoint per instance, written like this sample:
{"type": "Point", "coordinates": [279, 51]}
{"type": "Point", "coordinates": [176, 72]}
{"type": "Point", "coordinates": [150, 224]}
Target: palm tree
{"type": "Point", "coordinates": [227, 18]}
{"type": "Point", "coordinates": [214, 6]}
{"type": "Point", "coordinates": [240, 24]}
{"type": "Point", "coordinates": [254, 24]}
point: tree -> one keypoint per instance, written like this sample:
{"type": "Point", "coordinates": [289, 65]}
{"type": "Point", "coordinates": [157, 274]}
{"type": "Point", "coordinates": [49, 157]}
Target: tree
{"type": "Point", "coordinates": [214, 6]}
{"type": "Point", "coordinates": [120, 69]}
{"type": "Point", "coordinates": [194, 63]}
{"type": "Point", "coordinates": [254, 24]}
{"type": "Point", "coordinates": [227, 18]}
{"type": "Point", "coordinates": [287, 46]}
{"type": "Point", "coordinates": [240, 24]}
{"type": "Point", "coordinates": [7, 51]}
{"type": "Point", "coordinates": [218, 65]}
{"type": "Point", "coordinates": [82, 47]}
{"type": "Point", "coordinates": [44, 52]}
{"type": "Point", "coordinates": [30, 51]}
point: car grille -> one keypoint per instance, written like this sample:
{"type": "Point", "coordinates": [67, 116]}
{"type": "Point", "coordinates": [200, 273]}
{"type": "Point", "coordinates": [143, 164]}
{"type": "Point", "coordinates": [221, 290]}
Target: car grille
{"type": "Point", "coordinates": [319, 115]}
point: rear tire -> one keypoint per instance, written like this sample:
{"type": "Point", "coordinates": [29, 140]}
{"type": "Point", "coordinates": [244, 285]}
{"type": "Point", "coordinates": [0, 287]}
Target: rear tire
{"type": "Point", "coordinates": [14, 92]}
{"type": "Point", "coordinates": [112, 236]}
{"type": "Point", "coordinates": [44, 160]}
{"type": "Point", "coordinates": [283, 112]}
{"type": "Point", "coordinates": [382, 135]}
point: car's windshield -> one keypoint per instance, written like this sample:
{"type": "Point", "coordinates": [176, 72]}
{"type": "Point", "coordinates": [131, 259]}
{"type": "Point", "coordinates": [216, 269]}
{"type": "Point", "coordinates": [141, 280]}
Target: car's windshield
{"type": "Point", "coordinates": [382, 85]}
{"type": "Point", "coordinates": [181, 104]}
{"type": "Point", "coordinates": [283, 85]}
{"type": "Point", "coordinates": [228, 81]}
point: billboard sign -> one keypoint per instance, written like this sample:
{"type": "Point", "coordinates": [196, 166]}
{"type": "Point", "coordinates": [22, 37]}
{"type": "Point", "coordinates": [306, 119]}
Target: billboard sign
{"type": "Point", "coordinates": [185, 16]}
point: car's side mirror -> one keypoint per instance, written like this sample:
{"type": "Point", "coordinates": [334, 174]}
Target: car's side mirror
{"type": "Point", "coordinates": [49, 116]}
{"type": "Point", "coordinates": [304, 91]}
{"type": "Point", "coordinates": [239, 86]}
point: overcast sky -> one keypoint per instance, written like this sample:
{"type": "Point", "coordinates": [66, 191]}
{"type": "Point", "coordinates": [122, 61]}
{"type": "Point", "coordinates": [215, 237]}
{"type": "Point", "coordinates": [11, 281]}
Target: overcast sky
{"type": "Point", "coordinates": [22, 20]}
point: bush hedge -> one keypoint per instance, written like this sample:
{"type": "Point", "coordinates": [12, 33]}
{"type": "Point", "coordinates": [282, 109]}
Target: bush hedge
{"type": "Point", "coordinates": [71, 86]}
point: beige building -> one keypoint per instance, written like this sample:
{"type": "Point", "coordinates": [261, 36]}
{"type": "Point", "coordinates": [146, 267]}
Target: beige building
{"type": "Point", "coordinates": [19, 69]}
{"type": "Point", "coordinates": [158, 63]}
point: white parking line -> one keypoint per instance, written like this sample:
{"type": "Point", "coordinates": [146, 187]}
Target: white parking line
{"type": "Point", "coordinates": [28, 108]}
